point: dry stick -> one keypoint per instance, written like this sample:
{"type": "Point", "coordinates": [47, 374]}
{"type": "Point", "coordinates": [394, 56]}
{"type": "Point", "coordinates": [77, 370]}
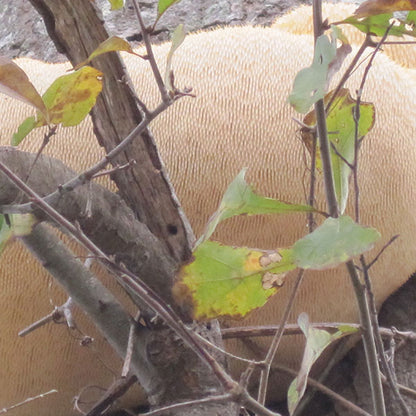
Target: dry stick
{"type": "Point", "coordinates": [53, 316]}
{"type": "Point", "coordinates": [407, 391]}
{"type": "Point", "coordinates": [367, 42]}
{"type": "Point", "coordinates": [28, 400]}
{"type": "Point", "coordinates": [222, 398]}
{"type": "Point", "coordinates": [265, 371]}
{"type": "Point", "coordinates": [149, 297]}
{"type": "Point", "coordinates": [294, 329]}
{"type": "Point", "coordinates": [368, 336]}
{"type": "Point", "coordinates": [312, 184]}
{"type": "Point", "coordinates": [129, 352]}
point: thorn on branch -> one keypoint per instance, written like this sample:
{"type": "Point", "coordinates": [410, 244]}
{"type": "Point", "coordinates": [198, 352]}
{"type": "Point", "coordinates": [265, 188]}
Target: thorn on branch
{"type": "Point", "coordinates": [58, 315]}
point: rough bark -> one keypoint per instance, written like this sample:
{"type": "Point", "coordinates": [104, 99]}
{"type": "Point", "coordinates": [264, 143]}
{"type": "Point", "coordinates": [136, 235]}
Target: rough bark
{"type": "Point", "coordinates": [77, 30]}
{"type": "Point", "coordinates": [166, 368]}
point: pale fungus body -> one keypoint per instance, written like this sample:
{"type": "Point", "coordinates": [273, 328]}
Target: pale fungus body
{"type": "Point", "coordinates": [242, 77]}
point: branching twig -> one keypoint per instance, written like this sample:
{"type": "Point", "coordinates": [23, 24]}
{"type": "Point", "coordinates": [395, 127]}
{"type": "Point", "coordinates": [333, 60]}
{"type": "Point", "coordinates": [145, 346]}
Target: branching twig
{"type": "Point", "coordinates": [161, 85]}
{"type": "Point", "coordinates": [56, 315]}
{"type": "Point", "coordinates": [88, 174]}
{"type": "Point", "coordinates": [294, 329]}
{"type": "Point", "coordinates": [368, 336]}
{"type": "Point", "coordinates": [391, 381]}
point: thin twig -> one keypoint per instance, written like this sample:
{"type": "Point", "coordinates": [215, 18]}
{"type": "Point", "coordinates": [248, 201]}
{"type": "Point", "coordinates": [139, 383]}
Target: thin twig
{"type": "Point", "coordinates": [118, 389]}
{"type": "Point", "coordinates": [294, 329]}
{"type": "Point", "coordinates": [391, 381]}
{"type": "Point", "coordinates": [325, 390]}
{"type": "Point", "coordinates": [372, 262]}
{"type": "Point", "coordinates": [228, 354]}
{"type": "Point", "coordinates": [117, 168]}
{"type": "Point", "coordinates": [130, 342]}
{"type": "Point", "coordinates": [367, 281]}
{"type": "Point", "coordinates": [368, 336]}
{"type": "Point", "coordinates": [56, 316]}
{"type": "Point", "coordinates": [28, 400]}
{"type": "Point", "coordinates": [271, 353]}
{"type": "Point", "coordinates": [312, 183]}
{"type": "Point", "coordinates": [367, 42]}
{"type": "Point", "coordinates": [222, 398]}
{"type": "Point", "coordinates": [368, 342]}
{"type": "Point", "coordinates": [146, 39]}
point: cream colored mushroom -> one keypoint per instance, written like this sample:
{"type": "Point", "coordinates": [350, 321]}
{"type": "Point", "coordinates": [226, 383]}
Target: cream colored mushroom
{"type": "Point", "coordinates": [240, 117]}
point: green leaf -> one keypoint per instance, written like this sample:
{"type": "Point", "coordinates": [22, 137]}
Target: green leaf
{"type": "Point", "coordinates": [178, 37]}
{"type": "Point", "coordinates": [341, 133]}
{"type": "Point", "coordinates": [24, 129]}
{"type": "Point", "coordinates": [70, 98]}
{"type": "Point", "coordinates": [116, 4]}
{"type": "Point", "coordinates": [20, 225]}
{"type": "Point", "coordinates": [379, 23]}
{"type": "Point", "coordinates": [228, 281]}
{"type": "Point", "coordinates": [310, 83]}
{"type": "Point", "coordinates": [332, 243]}
{"type": "Point", "coordinates": [163, 5]}
{"type": "Point", "coordinates": [341, 128]}
{"type": "Point", "coordinates": [240, 199]}
{"type": "Point", "coordinates": [317, 340]}
{"type": "Point", "coordinates": [5, 233]}
{"type": "Point", "coordinates": [411, 19]}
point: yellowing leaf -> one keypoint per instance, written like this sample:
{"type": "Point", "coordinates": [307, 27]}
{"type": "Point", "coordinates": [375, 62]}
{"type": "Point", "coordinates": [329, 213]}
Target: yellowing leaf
{"type": "Point", "coordinates": [112, 44]}
{"type": "Point", "coordinates": [335, 241]}
{"type": "Point", "coordinates": [70, 98]}
{"type": "Point", "coordinates": [15, 83]}
{"type": "Point", "coordinates": [341, 125]}
{"type": "Point", "coordinates": [341, 133]}
{"type": "Point", "coordinates": [310, 83]}
{"type": "Point", "coordinates": [116, 4]}
{"type": "Point", "coordinates": [228, 281]}
{"type": "Point", "coordinates": [375, 7]}
{"type": "Point", "coordinates": [317, 340]}
{"type": "Point", "coordinates": [240, 199]}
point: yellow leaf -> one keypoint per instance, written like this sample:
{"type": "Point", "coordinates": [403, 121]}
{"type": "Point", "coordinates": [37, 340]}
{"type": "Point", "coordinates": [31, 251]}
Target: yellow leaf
{"type": "Point", "coordinates": [70, 98]}
{"type": "Point", "coordinates": [230, 281]}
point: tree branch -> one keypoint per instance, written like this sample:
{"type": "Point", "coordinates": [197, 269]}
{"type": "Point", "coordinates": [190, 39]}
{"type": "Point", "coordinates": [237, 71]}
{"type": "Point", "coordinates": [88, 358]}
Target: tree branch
{"type": "Point", "coordinates": [76, 30]}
